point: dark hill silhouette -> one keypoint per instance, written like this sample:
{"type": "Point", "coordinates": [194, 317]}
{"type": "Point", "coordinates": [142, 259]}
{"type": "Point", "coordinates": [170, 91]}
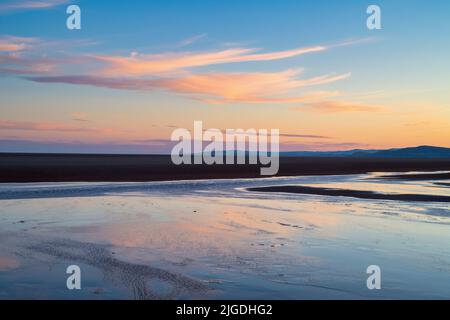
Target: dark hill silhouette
{"type": "Point", "coordinates": [421, 152]}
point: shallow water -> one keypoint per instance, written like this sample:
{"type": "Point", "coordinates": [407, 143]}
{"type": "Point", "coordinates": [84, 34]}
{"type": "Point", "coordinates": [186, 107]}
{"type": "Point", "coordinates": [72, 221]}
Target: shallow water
{"type": "Point", "coordinates": [213, 239]}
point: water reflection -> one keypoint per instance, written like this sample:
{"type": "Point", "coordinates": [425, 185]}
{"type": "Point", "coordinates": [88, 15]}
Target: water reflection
{"type": "Point", "coordinates": [212, 239]}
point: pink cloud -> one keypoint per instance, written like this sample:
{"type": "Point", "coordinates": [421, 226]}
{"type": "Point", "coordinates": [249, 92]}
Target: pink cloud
{"type": "Point", "coordinates": [217, 87]}
{"type": "Point", "coordinates": [42, 126]}
{"type": "Point", "coordinates": [340, 106]}
{"type": "Point", "coordinates": [25, 55]}
{"type": "Point", "coordinates": [14, 44]}
{"type": "Point", "coordinates": [15, 63]}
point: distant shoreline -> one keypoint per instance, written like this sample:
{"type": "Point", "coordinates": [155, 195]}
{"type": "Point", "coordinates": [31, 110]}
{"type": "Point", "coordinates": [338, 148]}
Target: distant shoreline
{"type": "Point", "coordinates": [22, 168]}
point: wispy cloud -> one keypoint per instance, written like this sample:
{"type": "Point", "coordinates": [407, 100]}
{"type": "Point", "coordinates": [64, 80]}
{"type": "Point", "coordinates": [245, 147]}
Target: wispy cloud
{"type": "Point", "coordinates": [18, 64]}
{"type": "Point", "coordinates": [15, 44]}
{"type": "Point", "coordinates": [191, 40]}
{"type": "Point", "coordinates": [178, 72]}
{"type": "Point", "coordinates": [217, 87]}
{"type": "Point", "coordinates": [340, 106]}
{"type": "Point", "coordinates": [30, 4]}
{"type": "Point", "coordinates": [43, 126]}
{"type": "Point", "coordinates": [21, 56]}
{"type": "Point", "coordinates": [307, 136]}
{"type": "Point", "coordinates": [137, 64]}
{"type": "Point", "coordinates": [79, 116]}
{"type": "Point", "coordinates": [27, 145]}
{"type": "Point", "coordinates": [158, 64]}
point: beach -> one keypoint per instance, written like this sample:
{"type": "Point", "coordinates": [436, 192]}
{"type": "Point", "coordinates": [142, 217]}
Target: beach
{"type": "Point", "coordinates": [218, 239]}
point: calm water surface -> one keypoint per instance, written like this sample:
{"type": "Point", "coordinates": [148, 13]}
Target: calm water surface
{"type": "Point", "coordinates": [213, 239]}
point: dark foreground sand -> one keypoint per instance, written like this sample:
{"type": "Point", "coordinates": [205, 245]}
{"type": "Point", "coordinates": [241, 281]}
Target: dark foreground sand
{"type": "Point", "coordinates": [135, 168]}
{"type": "Point", "coordinates": [361, 194]}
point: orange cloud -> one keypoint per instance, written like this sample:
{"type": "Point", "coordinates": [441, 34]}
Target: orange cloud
{"type": "Point", "coordinates": [157, 64]}
{"type": "Point", "coordinates": [248, 87]}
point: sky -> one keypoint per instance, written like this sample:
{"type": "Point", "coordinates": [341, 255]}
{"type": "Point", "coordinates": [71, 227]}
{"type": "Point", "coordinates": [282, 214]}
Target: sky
{"type": "Point", "coordinates": [137, 70]}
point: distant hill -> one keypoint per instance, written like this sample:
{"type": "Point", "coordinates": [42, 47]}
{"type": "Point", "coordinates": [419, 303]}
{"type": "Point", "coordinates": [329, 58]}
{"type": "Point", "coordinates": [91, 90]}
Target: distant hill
{"type": "Point", "coordinates": [421, 152]}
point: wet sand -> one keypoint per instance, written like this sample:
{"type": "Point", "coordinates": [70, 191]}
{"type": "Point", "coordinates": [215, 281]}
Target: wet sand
{"type": "Point", "coordinates": [136, 168]}
{"type": "Point", "coordinates": [212, 239]}
{"type": "Point", "coordinates": [361, 194]}
{"type": "Point", "coordinates": [134, 276]}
